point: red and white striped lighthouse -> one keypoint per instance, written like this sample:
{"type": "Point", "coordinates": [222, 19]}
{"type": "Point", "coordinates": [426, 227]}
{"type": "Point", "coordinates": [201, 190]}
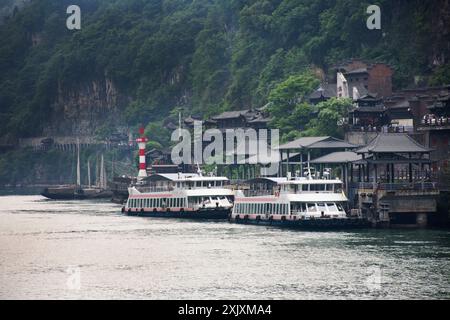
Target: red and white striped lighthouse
{"type": "Point", "coordinates": [141, 141]}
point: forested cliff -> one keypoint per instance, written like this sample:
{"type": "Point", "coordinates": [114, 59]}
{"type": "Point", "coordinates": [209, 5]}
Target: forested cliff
{"type": "Point", "coordinates": [136, 61]}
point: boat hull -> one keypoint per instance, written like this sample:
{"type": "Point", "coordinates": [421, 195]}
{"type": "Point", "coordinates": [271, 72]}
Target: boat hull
{"type": "Point", "coordinates": [71, 193]}
{"type": "Point", "coordinates": [203, 214]}
{"type": "Point", "coordinates": [312, 224]}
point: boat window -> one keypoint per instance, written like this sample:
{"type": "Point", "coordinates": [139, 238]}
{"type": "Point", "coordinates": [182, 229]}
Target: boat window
{"type": "Point", "coordinates": [321, 207]}
{"type": "Point", "coordinates": [305, 187]}
{"type": "Point", "coordinates": [320, 187]}
{"type": "Point", "coordinates": [312, 207]}
{"type": "Point", "coordinates": [332, 207]}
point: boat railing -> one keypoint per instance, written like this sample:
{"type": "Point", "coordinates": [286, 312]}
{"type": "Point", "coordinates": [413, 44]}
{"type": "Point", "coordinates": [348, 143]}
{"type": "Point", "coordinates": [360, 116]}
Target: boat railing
{"type": "Point", "coordinates": [256, 193]}
{"type": "Point", "coordinates": [154, 189]}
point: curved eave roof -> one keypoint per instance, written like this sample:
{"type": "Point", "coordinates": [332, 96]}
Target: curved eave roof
{"type": "Point", "coordinates": [393, 143]}
{"type": "Point", "coordinates": [338, 157]}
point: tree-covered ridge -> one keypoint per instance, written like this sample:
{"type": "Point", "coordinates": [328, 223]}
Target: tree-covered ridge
{"type": "Point", "coordinates": [204, 56]}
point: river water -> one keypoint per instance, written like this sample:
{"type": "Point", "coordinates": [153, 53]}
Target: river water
{"type": "Point", "coordinates": [89, 250]}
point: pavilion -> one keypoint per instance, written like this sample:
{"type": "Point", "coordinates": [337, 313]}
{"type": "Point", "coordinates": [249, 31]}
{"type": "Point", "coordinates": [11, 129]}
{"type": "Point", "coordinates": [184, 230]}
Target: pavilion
{"type": "Point", "coordinates": [294, 153]}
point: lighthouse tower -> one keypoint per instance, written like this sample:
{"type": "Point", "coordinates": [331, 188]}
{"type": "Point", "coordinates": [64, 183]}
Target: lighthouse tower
{"type": "Point", "coordinates": [141, 141]}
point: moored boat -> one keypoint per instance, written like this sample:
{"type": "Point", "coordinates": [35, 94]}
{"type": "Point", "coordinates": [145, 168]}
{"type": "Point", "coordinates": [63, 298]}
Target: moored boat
{"type": "Point", "coordinates": [75, 193]}
{"type": "Point", "coordinates": [180, 195]}
{"type": "Point", "coordinates": [303, 203]}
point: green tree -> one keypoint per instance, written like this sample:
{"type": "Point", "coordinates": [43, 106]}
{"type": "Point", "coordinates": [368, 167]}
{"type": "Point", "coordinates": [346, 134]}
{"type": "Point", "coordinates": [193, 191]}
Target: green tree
{"type": "Point", "coordinates": [330, 112]}
{"type": "Point", "coordinates": [289, 108]}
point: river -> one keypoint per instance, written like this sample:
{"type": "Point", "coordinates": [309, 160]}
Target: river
{"type": "Point", "coordinates": [89, 250]}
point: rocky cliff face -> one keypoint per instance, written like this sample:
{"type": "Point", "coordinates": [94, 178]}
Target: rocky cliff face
{"type": "Point", "coordinates": [82, 109]}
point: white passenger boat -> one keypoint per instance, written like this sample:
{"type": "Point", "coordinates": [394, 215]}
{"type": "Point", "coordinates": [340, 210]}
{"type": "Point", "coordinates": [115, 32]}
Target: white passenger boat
{"type": "Point", "coordinates": [294, 203]}
{"type": "Point", "coordinates": [181, 195]}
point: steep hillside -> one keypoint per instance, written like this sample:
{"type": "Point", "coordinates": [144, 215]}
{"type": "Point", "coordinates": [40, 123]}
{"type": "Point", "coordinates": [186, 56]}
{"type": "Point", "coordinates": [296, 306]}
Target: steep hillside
{"type": "Point", "coordinates": [136, 61]}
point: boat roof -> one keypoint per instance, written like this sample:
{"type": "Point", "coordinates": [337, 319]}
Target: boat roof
{"type": "Point", "coordinates": [266, 180]}
{"type": "Point", "coordinates": [284, 180]}
{"type": "Point", "coordinates": [178, 177]}
{"type": "Point", "coordinates": [311, 181]}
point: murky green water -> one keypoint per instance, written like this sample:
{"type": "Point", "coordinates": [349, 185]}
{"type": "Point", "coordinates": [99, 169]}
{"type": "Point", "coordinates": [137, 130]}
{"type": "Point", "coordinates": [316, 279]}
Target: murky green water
{"type": "Point", "coordinates": [87, 250]}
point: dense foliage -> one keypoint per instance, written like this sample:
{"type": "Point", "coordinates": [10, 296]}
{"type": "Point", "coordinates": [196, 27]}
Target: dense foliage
{"type": "Point", "coordinates": [204, 56]}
